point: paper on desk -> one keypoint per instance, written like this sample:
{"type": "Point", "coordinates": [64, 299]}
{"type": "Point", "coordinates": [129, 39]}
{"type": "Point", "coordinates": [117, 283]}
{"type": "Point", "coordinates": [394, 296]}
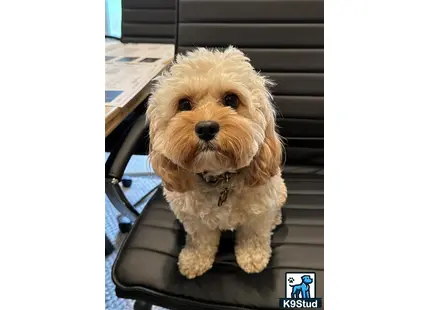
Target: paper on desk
{"type": "Point", "coordinates": [140, 50]}
{"type": "Point", "coordinates": [123, 83]}
{"type": "Point", "coordinates": [131, 67]}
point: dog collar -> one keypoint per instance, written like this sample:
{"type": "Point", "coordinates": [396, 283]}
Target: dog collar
{"type": "Point", "coordinates": [216, 179]}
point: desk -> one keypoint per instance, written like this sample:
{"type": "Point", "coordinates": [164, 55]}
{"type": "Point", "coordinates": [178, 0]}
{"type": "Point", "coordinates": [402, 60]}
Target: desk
{"type": "Point", "coordinates": [129, 70]}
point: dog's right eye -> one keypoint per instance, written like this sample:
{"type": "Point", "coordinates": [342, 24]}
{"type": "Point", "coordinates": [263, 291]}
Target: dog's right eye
{"type": "Point", "coordinates": [184, 105]}
{"type": "Point", "coordinates": [231, 100]}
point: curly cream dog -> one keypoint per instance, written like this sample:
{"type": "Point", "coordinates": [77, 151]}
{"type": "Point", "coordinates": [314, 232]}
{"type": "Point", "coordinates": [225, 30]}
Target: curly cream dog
{"type": "Point", "coordinates": [214, 144]}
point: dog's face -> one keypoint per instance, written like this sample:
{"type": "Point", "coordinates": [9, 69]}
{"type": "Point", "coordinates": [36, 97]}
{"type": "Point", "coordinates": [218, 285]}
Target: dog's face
{"type": "Point", "coordinates": [307, 279]}
{"type": "Point", "coordinates": [211, 112]}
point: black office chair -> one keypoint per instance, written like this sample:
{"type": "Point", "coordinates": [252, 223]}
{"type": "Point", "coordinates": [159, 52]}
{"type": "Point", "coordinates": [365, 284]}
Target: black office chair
{"type": "Point", "coordinates": [284, 40]}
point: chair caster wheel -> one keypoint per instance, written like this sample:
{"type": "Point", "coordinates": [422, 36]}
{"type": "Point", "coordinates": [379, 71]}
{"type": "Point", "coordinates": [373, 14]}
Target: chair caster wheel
{"type": "Point", "coordinates": [124, 224]}
{"type": "Point", "coordinates": [124, 227]}
{"type": "Point", "coordinates": [141, 305]}
{"type": "Point", "coordinates": [126, 182]}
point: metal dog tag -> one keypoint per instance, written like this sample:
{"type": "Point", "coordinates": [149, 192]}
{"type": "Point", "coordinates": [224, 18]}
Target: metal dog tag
{"type": "Point", "coordinates": [223, 197]}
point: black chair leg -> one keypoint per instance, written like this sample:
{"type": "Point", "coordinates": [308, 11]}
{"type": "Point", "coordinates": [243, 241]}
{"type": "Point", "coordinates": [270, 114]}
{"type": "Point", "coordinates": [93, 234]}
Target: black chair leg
{"type": "Point", "coordinates": [141, 305]}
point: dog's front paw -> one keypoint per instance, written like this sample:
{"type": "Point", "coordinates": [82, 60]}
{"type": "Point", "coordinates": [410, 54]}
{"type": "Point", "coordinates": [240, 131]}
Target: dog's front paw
{"type": "Point", "coordinates": [252, 259]}
{"type": "Point", "coordinates": [193, 264]}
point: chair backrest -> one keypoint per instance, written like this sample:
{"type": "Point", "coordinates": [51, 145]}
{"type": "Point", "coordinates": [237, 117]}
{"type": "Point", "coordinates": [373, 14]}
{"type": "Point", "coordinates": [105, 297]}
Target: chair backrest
{"type": "Point", "coordinates": [149, 21]}
{"type": "Point", "coordinates": [285, 41]}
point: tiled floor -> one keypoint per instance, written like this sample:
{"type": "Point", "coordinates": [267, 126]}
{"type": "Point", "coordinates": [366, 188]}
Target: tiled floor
{"type": "Point", "coordinates": [140, 186]}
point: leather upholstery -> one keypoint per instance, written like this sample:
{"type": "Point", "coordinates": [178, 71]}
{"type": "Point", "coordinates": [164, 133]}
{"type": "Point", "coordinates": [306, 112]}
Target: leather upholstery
{"type": "Point", "coordinates": [147, 265]}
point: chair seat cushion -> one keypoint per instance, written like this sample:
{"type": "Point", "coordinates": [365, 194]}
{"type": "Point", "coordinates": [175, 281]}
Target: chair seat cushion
{"type": "Point", "coordinates": [146, 267]}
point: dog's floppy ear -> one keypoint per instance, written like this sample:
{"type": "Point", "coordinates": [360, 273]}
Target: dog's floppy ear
{"type": "Point", "coordinates": [267, 161]}
{"type": "Point", "coordinates": [174, 178]}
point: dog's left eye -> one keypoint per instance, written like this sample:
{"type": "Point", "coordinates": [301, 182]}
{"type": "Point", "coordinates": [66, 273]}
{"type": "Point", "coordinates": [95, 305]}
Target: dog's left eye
{"type": "Point", "coordinates": [184, 105]}
{"type": "Point", "coordinates": [231, 100]}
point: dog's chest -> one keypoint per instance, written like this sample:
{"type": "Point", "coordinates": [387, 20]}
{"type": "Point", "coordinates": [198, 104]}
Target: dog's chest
{"type": "Point", "coordinates": [204, 207]}
{"type": "Point", "coordinates": [226, 215]}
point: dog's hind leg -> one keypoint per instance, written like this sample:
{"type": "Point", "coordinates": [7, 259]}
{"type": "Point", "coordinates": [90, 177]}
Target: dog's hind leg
{"type": "Point", "coordinates": [282, 199]}
{"type": "Point", "coordinates": [277, 220]}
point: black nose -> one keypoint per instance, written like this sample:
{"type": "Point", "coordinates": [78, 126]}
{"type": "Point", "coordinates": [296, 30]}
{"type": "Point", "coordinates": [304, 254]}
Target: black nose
{"type": "Point", "coordinates": [207, 130]}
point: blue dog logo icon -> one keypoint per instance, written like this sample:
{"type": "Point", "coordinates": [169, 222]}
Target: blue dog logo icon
{"type": "Point", "coordinates": [303, 294]}
{"type": "Point", "coordinates": [302, 290]}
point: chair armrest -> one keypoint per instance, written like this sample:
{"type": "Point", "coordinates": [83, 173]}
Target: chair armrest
{"type": "Point", "coordinates": [137, 135]}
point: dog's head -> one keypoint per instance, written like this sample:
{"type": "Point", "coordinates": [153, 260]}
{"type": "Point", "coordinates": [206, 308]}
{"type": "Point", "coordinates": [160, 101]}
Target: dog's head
{"type": "Point", "coordinates": [212, 112]}
{"type": "Point", "coordinates": [307, 279]}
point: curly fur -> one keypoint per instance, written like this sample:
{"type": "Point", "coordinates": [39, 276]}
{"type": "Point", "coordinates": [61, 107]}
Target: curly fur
{"type": "Point", "coordinates": [247, 145]}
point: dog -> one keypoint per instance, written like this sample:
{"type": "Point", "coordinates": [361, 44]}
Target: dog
{"type": "Point", "coordinates": [213, 142]}
{"type": "Point", "coordinates": [302, 288]}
